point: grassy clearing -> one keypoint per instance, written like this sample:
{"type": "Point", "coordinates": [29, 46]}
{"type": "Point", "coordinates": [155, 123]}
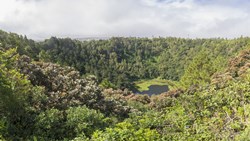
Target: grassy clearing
{"type": "Point", "coordinates": [143, 85]}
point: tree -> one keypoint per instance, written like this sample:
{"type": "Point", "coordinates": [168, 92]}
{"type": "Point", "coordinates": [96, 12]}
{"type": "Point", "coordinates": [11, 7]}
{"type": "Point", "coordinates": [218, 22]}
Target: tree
{"type": "Point", "coordinates": [126, 131]}
{"type": "Point", "coordinates": [15, 90]}
{"type": "Point", "coordinates": [200, 70]}
{"type": "Point", "coordinates": [84, 121]}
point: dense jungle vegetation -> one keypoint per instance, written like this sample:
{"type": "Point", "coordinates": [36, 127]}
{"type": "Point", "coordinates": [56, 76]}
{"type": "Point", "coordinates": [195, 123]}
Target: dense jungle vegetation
{"type": "Point", "coordinates": [65, 89]}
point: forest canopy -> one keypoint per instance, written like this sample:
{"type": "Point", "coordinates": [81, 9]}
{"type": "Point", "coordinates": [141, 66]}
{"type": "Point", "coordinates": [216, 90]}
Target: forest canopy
{"type": "Point", "coordinates": [66, 89]}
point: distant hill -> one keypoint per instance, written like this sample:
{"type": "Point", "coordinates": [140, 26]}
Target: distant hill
{"type": "Point", "coordinates": [92, 38]}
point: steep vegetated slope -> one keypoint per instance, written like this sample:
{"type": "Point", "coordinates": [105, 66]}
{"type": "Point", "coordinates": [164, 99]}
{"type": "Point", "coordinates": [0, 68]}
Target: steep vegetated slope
{"type": "Point", "coordinates": [47, 92]}
{"type": "Point", "coordinates": [121, 61]}
{"type": "Point", "coordinates": [118, 62]}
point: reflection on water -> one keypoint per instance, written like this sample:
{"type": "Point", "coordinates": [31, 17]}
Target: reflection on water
{"type": "Point", "coordinates": [154, 89]}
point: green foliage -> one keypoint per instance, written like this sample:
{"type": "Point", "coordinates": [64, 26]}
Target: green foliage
{"type": "Point", "coordinates": [3, 128]}
{"type": "Point", "coordinates": [45, 101]}
{"type": "Point", "coordinates": [14, 95]}
{"type": "Point", "coordinates": [21, 43]}
{"type": "Point", "coordinates": [201, 69]}
{"type": "Point", "coordinates": [84, 121]}
{"type": "Point", "coordinates": [244, 135]}
{"type": "Point", "coordinates": [121, 61]}
{"type": "Point", "coordinates": [78, 122]}
{"type": "Point", "coordinates": [50, 125]}
{"type": "Point", "coordinates": [125, 131]}
{"type": "Point", "coordinates": [43, 56]}
{"type": "Point", "coordinates": [106, 84]}
{"type": "Point", "coordinates": [118, 62]}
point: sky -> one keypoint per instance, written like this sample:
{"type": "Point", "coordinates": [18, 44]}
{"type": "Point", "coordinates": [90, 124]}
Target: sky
{"type": "Point", "coordinates": [40, 19]}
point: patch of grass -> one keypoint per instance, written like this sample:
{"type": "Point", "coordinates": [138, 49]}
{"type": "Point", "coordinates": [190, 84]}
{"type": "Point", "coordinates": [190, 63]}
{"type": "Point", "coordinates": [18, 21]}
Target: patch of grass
{"type": "Point", "coordinates": [143, 85]}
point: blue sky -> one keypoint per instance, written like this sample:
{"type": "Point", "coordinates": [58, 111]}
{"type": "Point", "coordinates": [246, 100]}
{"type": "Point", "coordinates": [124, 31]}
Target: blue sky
{"type": "Point", "coordinates": [39, 19]}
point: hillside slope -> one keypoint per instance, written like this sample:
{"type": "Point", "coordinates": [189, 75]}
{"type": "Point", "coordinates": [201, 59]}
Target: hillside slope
{"type": "Point", "coordinates": [42, 100]}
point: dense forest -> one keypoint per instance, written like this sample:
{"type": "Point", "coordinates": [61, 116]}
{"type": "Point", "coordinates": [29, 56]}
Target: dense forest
{"type": "Point", "coordinates": [66, 89]}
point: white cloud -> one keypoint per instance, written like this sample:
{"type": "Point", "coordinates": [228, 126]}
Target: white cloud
{"type": "Point", "coordinates": [82, 18]}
